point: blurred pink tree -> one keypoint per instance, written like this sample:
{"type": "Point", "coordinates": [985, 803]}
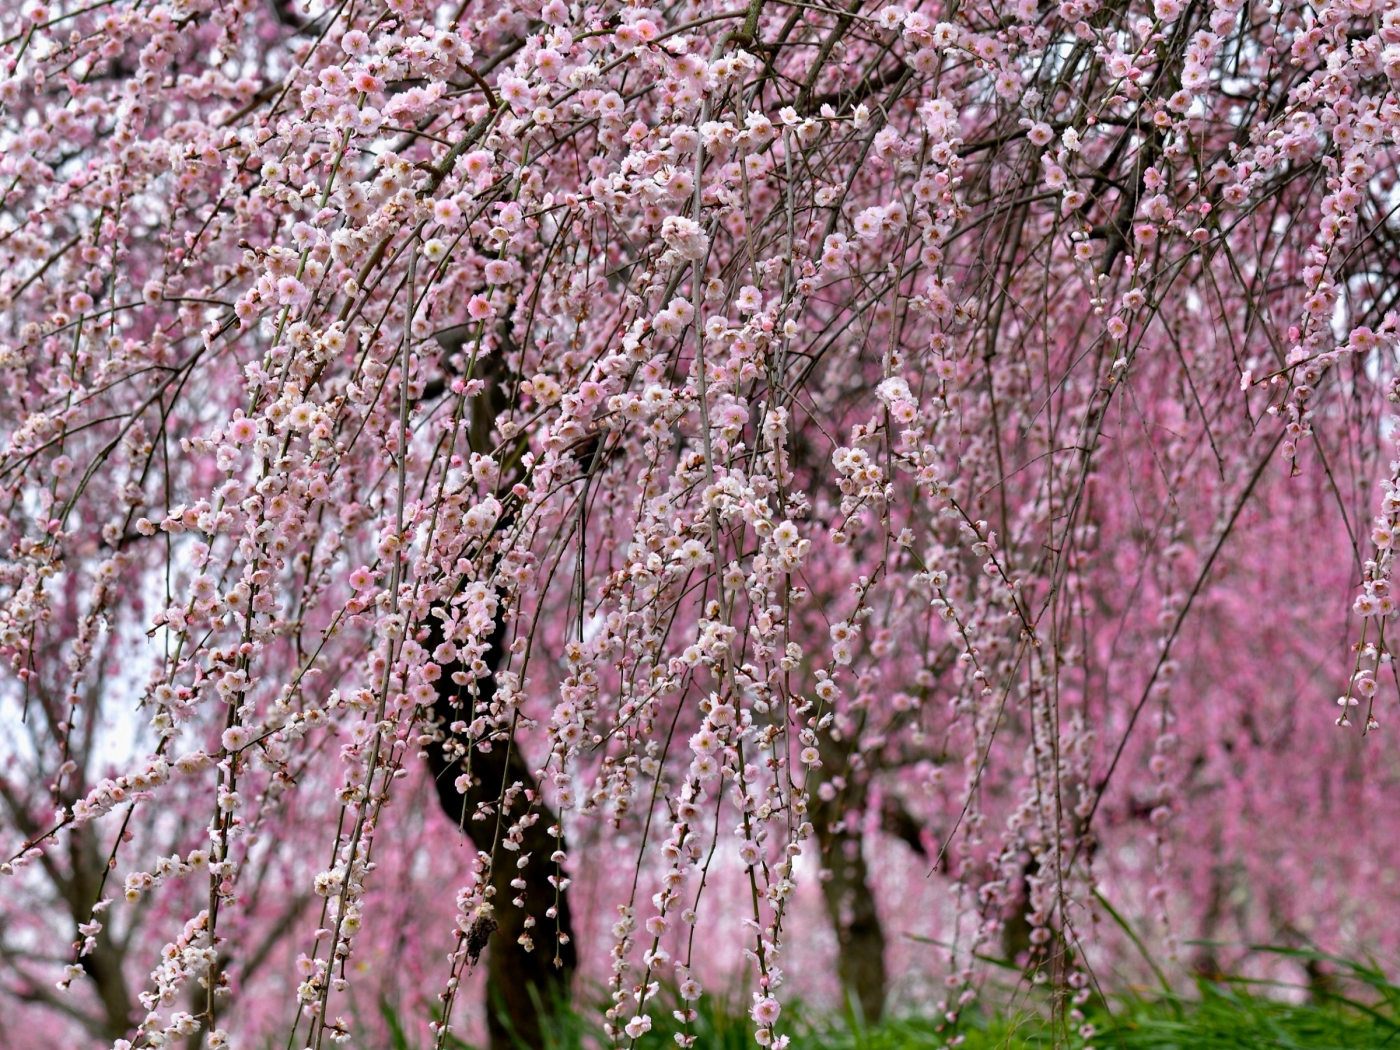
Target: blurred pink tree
{"type": "Point", "coordinates": [693, 450]}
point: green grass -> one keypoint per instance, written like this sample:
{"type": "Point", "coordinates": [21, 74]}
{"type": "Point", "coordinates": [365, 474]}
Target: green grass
{"type": "Point", "coordinates": [1357, 1009]}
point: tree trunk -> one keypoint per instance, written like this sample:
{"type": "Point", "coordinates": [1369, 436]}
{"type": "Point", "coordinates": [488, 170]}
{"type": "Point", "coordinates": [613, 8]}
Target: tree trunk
{"type": "Point", "coordinates": [860, 963]}
{"type": "Point", "coordinates": [104, 965]}
{"type": "Point", "coordinates": [850, 904]}
{"type": "Point", "coordinates": [1015, 927]}
{"type": "Point", "coordinates": [526, 983]}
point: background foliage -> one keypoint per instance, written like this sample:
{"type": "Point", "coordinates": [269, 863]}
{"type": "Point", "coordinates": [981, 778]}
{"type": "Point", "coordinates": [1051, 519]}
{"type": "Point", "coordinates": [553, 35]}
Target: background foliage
{"type": "Point", "coordinates": [813, 499]}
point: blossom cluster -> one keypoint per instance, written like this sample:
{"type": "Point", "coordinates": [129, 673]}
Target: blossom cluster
{"type": "Point", "coordinates": [671, 435]}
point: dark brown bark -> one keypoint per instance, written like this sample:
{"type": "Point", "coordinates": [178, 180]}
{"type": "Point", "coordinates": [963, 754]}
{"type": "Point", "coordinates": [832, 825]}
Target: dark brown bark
{"type": "Point", "coordinates": [860, 963]}
{"type": "Point", "coordinates": [1205, 962]}
{"type": "Point", "coordinates": [1016, 928]}
{"type": "Point", "coordinates": [104, 964]}
{"type": "Point", "coordinates": [525, 985]}
{"type": "Point", "coordinates": [850, 903]}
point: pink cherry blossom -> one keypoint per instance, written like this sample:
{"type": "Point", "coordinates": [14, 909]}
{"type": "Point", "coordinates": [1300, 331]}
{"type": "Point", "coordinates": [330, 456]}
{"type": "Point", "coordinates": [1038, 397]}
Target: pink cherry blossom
{"type": "Point", "coordinates": [522, 493]}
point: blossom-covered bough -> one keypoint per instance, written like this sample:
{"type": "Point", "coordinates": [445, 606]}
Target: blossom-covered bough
{"type": "Point", "coordinates": [687, 443]}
